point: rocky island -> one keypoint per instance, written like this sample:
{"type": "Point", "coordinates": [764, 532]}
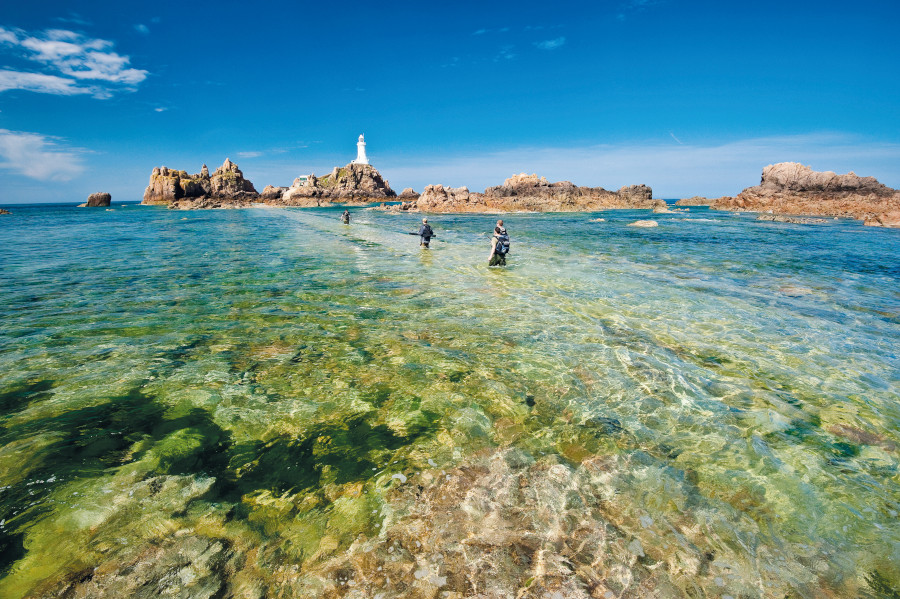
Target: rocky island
{"type": "Point", "coordinates": [530, 193]}
{"type": "Point", "coordinates": [99, 199]}
{"type": "Point", "coordinates": [227, 188]}
{"type": "Point", "coordinates": [792, 189]}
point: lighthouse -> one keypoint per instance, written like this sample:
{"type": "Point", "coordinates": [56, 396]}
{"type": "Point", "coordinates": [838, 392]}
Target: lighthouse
{"type": "Point", "coordinates": [361, 151]}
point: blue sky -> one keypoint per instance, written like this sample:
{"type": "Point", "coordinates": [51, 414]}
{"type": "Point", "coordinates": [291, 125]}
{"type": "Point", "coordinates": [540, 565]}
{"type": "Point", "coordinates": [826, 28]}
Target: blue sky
{"type": "Point", "coordinates": [689, 97]}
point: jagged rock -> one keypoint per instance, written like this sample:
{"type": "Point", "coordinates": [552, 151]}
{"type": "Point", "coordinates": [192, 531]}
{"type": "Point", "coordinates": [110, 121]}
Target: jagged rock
{"type": "Point", "coordinates": [794, 189]}
{"type": "Point", "coordinates": [530, 193]}
{"type": "Point", "coordinates": [694, 201]}
{"type": "Point", "coordinates": [272, 193]}
{"type": "Point", "coordinates": [177, 189]}
{"type": "Point", "coordinates": [97, 199]}
{"type": "Point", "coordinates": [2, 211]}
{"type": "Point", "coordinates": [350, 184]}
{"type": "Point", "coordinates": [408, 194]}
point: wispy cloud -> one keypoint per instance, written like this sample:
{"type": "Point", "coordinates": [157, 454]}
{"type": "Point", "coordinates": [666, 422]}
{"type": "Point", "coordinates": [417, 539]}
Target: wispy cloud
{"type": "Point", "coordinates": [675, 138]}
{"type": "Point", "coordinates": [45, 84]}
{"type": "Point", "coordinates": [672, 171]}
{"type": "Point", "coordinates": [249, 154]}
{"type": "Point", "coordinates": [160, 109]}
{"type": "Point", "coordinates": [71, 64]}
{"type": "Point", "coordinates": [551, 44]}
{"type": "Point", "coordinates": [480, 32]}
{"type": "Point", "coordinates": [38, 156]}
{"type": "Point", "coordinates": [142, 29]}
{"type": "Point", "coordinates": [505, 53]}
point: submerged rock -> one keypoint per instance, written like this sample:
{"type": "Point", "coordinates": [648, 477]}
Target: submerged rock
{"type": "Point", "coordinates": [790, 188]}
{"type": "Point", "coordinates": [97, 199]}
{"type": "Point", "coordinates": [644, 223]}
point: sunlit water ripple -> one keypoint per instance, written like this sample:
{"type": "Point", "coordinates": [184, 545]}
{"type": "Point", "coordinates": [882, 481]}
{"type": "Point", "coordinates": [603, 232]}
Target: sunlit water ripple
{"type": "Point", "coordinates": [293, 407]}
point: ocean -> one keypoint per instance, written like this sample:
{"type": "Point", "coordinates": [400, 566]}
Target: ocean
{"type": "Point", "coordinates": [267, 403]}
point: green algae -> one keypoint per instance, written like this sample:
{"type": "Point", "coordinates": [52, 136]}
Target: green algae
{"type": "Point", "coordinates": [297, 414]}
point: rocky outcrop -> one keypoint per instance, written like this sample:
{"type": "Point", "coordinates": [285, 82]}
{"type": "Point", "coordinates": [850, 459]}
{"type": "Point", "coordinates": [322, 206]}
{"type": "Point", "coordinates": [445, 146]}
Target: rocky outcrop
{"type": "Point", "coordinates": [790, 188]}
{"type": "Point", "coordinates": [408, 194]}
{"type": "Point", "coordinates": [530, 193]}
{"type": "Point", "coordinates": [96, 200]}
{"type": "Point", "coordinates": [177, 189]}
{"type": "Point", "coordinates": [351, 184]}
{"type": "Point", "coordinates": [271, 193]}
{"type": "Point", "coordinates": [694, 201]}
{"type": "Point", "coordinates": [2, 211]}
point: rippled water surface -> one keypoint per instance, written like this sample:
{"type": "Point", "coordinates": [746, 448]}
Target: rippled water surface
{"type": "Point", "coordinates": [267, 403]}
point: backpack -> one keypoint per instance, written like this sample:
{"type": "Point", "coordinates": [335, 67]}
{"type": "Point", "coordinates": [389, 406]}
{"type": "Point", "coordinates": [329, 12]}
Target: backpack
{"type": "Point", "coordinates": [502, 246]}
{"type": "Point", "coordinates": [427, 233]}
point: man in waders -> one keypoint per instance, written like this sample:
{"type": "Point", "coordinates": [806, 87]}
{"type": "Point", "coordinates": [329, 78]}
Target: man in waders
{"type": "Point", "coordinates": [345, 217]}
{"type": "Point", "coordinates": [499, 245]}
{"type": "Point", "coordinates": [425, 233]}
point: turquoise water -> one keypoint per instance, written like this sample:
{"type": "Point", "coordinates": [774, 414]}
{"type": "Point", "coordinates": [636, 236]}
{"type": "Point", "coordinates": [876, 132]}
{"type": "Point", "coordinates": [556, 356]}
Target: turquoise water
{"type": "Point", "coordinates": [264, 402]}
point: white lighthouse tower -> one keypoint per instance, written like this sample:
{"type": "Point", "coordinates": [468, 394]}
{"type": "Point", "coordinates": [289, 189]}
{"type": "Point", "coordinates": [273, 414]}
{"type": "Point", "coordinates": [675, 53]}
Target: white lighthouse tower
{"type": "Point", "coordinates": [361, 151]}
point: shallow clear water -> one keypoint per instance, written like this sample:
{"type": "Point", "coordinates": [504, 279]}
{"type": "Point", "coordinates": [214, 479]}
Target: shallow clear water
{"type": "Point", "coordinates": [709, 407]}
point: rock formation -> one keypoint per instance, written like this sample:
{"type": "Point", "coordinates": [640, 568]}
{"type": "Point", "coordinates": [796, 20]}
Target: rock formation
{"type": "Point", "coordinates": [177, 189]}
{"type": "Point", "coordinates": [351, 184]}
{"type": "Point", "coordinates": [2, 211]}
{"type": "Point", "coordinates": [790, 188]}
{"type": "Point", "coordinates": [408, 194]}
{"type": "Point", "coordinates": [530, 193]}
{"type": "Point", "coordinates": [694, 201]}
{"type": "Point", "coordinates": [97, 199]}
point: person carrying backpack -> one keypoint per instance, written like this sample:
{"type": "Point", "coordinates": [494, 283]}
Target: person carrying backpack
{"type": "Point", "coordinates": [425, 233]}
{"type": "Point", "coordinates": [499, 245]}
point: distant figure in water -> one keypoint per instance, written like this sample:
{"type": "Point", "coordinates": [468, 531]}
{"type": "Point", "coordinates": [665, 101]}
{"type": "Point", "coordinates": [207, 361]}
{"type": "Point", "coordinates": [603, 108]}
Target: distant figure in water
{"type": "Point", "coordinates": [425, 233]}
{"type": "Point", "coordinates": [345, 217]}
{"type": "Point", "coordinates": [499, 245]}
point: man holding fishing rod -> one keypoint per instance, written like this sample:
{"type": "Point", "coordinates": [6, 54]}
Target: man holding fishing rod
{"type": "Point", "coordinates": [425, 233]}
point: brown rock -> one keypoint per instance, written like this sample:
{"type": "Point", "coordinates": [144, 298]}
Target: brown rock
{"type": "Point", "coordinates": [530, 193]}
{"type": "Point", "coordinates": [790, 188]}
{"type": "Point", "coordinates": [694, 201]}
{"type": "Point", "coordinates": [97, 199]}
{"type": "Point", "coordinates": [177, 189]}
{"type": "Point", "coordinates": [350, 184]}
{"type": "Point", "coordinates": [2, 211]}
{"type": "Point", "coordinates": [408, 194]}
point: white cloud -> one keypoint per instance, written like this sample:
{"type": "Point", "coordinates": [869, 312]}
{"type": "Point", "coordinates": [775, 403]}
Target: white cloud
{"type": "Point", "coordinates": [249, 154]}
{"type": "Point", "coordinates": [38, 156]}
{"type": "Point", "coordinates": [160, 109]}
{"type": "Point", "coordinates": [480, 32]}
{"type": "Point", "coordinates": [551, 44]}
{"type": "Point", "coordinates": [72, 57]}
{"type": "Point", "coordinates": [142, 29]}
{"type": "Point", "coordinates": [672, 170]}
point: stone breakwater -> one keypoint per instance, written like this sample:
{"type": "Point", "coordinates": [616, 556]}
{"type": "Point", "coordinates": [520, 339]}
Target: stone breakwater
{"type": "Point", "coordinates": [530, 193]}
{"type": "Point", "coordinates": [790, 188]}
{"type": "Point", "coordinates": [227, 188]}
